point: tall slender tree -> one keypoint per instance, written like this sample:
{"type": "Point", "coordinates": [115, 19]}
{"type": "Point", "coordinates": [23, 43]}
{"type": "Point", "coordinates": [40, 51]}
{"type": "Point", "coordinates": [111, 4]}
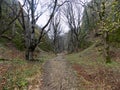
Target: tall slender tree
{"type": "Point", "coordinates": [29, 24]}
{"type": "Point", "coordinates": [73, 14]}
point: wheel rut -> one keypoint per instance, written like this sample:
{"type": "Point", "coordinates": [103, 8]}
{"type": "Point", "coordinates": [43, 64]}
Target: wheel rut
{"type": "Point", "coordinates": [58, 75]}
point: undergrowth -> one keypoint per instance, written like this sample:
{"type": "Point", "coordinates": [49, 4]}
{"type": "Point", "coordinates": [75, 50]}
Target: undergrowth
{"type": "Point", "coordinates": [93, 72]}
{"type": "Point", "coordinates": [16, 76]}
{"type": "Point", "coordinates": [22, 73]}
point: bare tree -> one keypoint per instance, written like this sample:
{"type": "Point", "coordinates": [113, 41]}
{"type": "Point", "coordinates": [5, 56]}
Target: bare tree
{"type": "Point", "coordinates": [28, 23]}
{"type": "Point", "coordinates": [55, 32]}
{"type": "Point", "coordinates": [73, 14]}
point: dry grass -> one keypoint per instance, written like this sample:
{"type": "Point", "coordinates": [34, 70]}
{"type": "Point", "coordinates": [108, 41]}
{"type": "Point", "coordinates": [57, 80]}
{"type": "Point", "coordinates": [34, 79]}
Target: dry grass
{"type": "Point", "coordinates": [17, 73]}
{"type": "Point", "coordinates": [93, 72]}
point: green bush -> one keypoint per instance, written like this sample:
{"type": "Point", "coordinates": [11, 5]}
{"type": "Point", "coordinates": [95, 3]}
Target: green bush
{"type": "Point", "coordinates": [45, 45]}
{"type": "Point", "coordinates": [19, 42]}
{"type": "Point", "coordinates": [114, 38]}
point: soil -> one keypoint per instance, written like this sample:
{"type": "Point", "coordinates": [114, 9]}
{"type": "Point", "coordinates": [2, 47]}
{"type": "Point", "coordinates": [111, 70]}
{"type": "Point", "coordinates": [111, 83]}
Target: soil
{"type": "Point", "coordinates": [59, 75]}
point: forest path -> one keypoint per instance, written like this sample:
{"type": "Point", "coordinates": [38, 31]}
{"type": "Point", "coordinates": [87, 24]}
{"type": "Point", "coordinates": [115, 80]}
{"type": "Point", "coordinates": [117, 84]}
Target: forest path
{"type": "Point", "coordinates": [58, 75]}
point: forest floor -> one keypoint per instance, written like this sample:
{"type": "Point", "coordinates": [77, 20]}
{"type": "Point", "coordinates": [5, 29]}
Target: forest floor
{"type": "Point", "coordinates": [93, 72]}
{"type": "Point", "coordinates": [85, 70]}
{"type": "Point", "coordinates": [58, 75]}
{"type": "Point", "coordinates": [18, 74]}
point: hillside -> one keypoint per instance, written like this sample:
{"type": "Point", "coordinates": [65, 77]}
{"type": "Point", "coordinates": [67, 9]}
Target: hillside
{"type": "Point", "coordinates": [93, 72]}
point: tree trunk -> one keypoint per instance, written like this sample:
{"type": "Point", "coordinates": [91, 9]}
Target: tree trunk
{"type": "Point", "coordinates": [29, 55]}
{"type": "Point", "coordinates": [77, 44]}
{"type": "Point", "coordinates": [107, 48]}
{"type": "Point", "coordinates": [13, 29]}
{"type": "Point", "coordinates": [0, 11]}
{"type": "Point", "coordinates": [1, 8]}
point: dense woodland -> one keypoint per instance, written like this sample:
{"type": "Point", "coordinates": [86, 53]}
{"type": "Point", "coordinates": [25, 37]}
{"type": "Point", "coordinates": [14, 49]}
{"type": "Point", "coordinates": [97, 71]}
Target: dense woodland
{"type": "Point", "coordinates": [92, 25]}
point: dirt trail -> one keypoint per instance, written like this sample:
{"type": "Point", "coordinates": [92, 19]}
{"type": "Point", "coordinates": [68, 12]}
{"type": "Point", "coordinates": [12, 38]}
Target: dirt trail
{"type": "Point", "coordinates": [58, 75]}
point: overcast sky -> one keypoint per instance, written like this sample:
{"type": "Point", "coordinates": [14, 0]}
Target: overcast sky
{"type": "Point", "coordinates": [43, 19]}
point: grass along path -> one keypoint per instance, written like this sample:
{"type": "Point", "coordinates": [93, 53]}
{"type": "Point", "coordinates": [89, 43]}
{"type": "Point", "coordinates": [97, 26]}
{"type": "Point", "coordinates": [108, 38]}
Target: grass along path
{"type": "Point", "coordinates": [93, 72]}
{"type": "Point", "coordinates": [19, 74]}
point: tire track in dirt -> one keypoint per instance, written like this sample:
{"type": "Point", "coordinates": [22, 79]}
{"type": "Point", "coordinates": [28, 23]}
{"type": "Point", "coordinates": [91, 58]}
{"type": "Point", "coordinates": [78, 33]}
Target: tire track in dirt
{"type": "Point", "coordinates": [58, 75]}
